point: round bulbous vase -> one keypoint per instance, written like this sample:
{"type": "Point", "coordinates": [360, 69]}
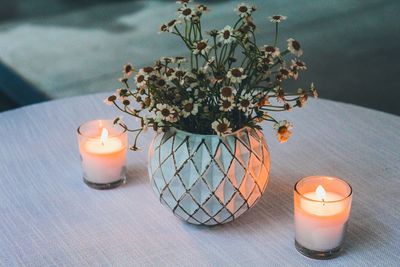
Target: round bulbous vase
{"type": "Point", "coordinates": [208, 179]}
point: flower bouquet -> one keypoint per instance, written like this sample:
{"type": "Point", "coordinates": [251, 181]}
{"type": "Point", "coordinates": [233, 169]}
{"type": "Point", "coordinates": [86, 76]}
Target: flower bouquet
{"type": "Point", "coordinates": [212, 103]}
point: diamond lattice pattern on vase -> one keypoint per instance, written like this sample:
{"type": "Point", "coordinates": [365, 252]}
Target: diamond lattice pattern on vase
{"type": "Point", "coordinates": [206, 179]}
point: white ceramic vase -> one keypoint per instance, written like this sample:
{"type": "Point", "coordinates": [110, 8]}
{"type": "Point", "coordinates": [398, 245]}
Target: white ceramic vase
{"type": "Point", "coordinates": [207, 179]}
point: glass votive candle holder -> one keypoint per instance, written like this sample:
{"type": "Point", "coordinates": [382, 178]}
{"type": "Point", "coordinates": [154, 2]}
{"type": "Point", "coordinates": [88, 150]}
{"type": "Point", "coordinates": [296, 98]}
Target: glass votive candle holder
{"type": "Point", "coordinates": [102, 147]}
{"type": "Point", "coordinates": [321, 211]}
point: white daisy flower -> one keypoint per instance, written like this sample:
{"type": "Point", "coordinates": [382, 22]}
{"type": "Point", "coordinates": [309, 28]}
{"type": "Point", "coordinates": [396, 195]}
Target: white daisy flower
{"type": "Point", "coordinates": [175, 114]}
{"type": "Point", "coordinates": [226, 35]}
{"type": "Point", "coordinates": [189, 108]}
{"type": "Point", "coordinates": [128, 69]}
{"type": "Point", "coordinates": [186, 13]}
{"type": "Point", "coordinates": [298, 64]}
{"type": "Point", "coordinates": [201, 47]}
{"type": "Point", "coordinates": [168, 74]}
{"type": "Point", "coordinates": [179, 60]}
{"type": "Point", "coordinates": [245, 103]}
{"type": "Point", "coordinates": [266, 60]}
{"type": "Point", "coordinates": [271, 50]}
{"type": "Point", "coordinates": [140, 79]}
{"type": "Point", "coordinates": [236, 75]}
{"type": "Point", "coordinates": [202, 8]}
{"type": "Point", "coordinates": [166, 59]}
{"type": "Point", "coordinates": [283, 130]}
{"type": "Point", "coordinates": [221, 126]}
{"type": "Point", "coordinates": [169, 26]}
{"type": "Point", "coordinates": [227, 92]}
{"type": "Point", "coordinates": [191, 80]}
{"type": "Point", "coordinates": [165, 112]}
{"type": "Point", "coordinates": [244, 10]}
{"type": "Point", "coordinates": [284, 74]}
{"type": "Point", "coordinates": [226, 105]}
{"type": "Point", "coordinates": [294, 47]}
{"type": "Point", "coordinates": [175, 74]}
{"type": "Point", "coordinates": [121, 94]}
{"type": "Point", "coordinates": [142, 76]}
{"type": "Point", "coordinates": [277, 18]}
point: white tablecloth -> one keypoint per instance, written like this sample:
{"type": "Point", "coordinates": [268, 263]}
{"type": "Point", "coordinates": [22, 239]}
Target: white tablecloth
{"type": "Point", "coordinates": [48, 216]}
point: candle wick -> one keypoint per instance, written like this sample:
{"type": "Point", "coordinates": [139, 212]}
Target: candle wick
{"type": "Point", "coordinates": [323, 202]}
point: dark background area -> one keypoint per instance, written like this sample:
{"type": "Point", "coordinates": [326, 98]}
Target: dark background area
{"type": "Point", "coordinates": [58, 48]}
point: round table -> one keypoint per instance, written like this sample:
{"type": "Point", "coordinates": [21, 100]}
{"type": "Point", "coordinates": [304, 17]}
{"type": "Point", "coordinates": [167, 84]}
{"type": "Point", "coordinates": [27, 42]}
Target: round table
{"type": "Point", "coordinates": [48, 216]}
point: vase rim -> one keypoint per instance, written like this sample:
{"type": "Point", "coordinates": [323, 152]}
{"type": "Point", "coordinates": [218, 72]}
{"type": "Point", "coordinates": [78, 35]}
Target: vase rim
{"type": "Point", "coordinates": [212, 135]}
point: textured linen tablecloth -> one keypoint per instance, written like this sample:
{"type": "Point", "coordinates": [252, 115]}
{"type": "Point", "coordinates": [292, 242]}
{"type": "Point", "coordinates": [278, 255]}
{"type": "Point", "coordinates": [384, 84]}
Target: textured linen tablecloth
{"type": "Point", "coordinates": [49, 217]}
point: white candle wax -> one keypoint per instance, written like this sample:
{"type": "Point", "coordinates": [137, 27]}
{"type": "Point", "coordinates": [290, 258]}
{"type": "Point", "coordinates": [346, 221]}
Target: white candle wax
{"type": "Point", "coordinates": [321, 219]}
{"type": "Point", "coordinates": [103, 158]}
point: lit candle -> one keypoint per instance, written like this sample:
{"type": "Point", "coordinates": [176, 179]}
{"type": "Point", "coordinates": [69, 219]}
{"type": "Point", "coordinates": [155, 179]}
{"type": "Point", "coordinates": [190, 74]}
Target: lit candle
{"type": "Point", "coordinates": [321, 211]}
{"type": "Point", "coordinates": [102, 146]}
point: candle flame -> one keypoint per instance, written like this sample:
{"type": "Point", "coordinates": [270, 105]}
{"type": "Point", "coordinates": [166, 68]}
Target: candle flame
{"type": "Point", "coordinates": [104, 135]}
{"type": "Point", "coordinates": [321, 193]}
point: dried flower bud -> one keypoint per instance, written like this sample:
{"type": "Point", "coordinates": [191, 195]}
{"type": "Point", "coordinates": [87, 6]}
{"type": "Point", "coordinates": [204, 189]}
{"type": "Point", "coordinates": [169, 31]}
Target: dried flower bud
{"type": "Point", "coordinates": [165, 128]}
{"type": "Point", "coordinates": [148, 69]}
{"type": "Point", "coordinates": [123, 92]}
{"type": "Point", "coordinates": [163, 28]}
{"type": "Point", "coordinates": [183, 2]}
{"type": "Point", "coordinates": [314, 91]}
{"type": "Point", "coordinates": [112, 98]}
{"type": "Point", "coordinates": [250, 23]}
{"type": "Point", "coordinates": [161, 82]}
{"type": "Point", "coordinates": [299, 103]}
{"type": "Point", "coordinates": [213, 33]}
{"type": "Point", "coordinates": [126, 102]}
{"type": "Point", "coordinates": [287, 107]}
{"type": "Point", "coordinates": [134, 148]}
{"type": "Point", "coordinates": [123, 80]}
{"type": "Point", "coordinates": [232, 60]}
{"type": "Point", "coordinates": [155, 126]}
{"type": "Point", "coordinates": [147, 101]}
{"type": "Point", "coordinates": [117, 120]}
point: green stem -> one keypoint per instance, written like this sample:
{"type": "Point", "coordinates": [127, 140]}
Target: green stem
{"type": "Point", "coordinates": [276, 34]}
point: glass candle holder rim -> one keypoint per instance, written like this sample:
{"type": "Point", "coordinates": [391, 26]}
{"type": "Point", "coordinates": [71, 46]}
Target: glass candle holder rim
{"type": "Point", "coordinates": [325, 201]}
{"type": "Point", "coordinates": [79, 131]}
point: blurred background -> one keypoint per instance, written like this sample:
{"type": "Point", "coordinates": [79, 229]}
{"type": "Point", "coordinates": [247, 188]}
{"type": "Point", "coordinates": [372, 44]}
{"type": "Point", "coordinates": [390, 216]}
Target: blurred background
{"type": "Point", "coordinates": [60, 48]}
